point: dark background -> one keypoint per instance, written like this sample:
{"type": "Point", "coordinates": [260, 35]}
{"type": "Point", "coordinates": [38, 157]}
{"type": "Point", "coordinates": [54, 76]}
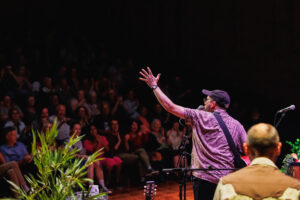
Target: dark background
{"type": "Point", "coordinates": [249, 48]}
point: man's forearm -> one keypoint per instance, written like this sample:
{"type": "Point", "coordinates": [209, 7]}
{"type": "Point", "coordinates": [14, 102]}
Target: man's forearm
{"type": "Point", "coordinates": [163, 99]}
{"type": "Point", "coordinates": [168, 105]}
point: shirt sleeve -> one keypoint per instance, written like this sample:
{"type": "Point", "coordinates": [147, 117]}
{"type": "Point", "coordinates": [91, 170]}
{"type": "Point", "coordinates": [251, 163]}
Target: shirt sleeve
{"type": "Point", "coordinates": [4, 154]}
{"type": "Point", "coordinates": [189, 114]}
{"type": "Point", "coordinates": [200, 118]}
{"type": "Point", "coordinates": [242, 138]}
{"type": "Point", "coordinates": [23, 148]}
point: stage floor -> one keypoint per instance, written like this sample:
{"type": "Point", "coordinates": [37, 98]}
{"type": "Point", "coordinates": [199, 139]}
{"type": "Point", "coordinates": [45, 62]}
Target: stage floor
{"type": "Point", "coordinates": [168, 190]}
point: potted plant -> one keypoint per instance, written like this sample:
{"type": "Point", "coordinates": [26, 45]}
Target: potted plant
{"type": "Point", "coordinates": [291, 163]}
{"type": "Point", "coordinates": [59, 171]}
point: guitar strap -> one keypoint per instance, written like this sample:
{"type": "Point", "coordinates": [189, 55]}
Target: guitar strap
{"type": "Point", "coordinates": [238, 162]}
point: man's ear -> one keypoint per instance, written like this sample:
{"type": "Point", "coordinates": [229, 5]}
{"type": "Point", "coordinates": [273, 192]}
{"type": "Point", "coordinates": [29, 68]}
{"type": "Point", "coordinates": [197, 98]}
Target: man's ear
{"type": "Point", "coordinates": [246, 149]}
{"type": "Point", "coordinates": [213, 105]}
{"type": "Point", "coordinates": [278, 148]}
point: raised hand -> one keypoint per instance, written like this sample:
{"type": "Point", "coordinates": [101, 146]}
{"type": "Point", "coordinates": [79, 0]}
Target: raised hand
{"type": "Point", "coordinates": [148, 77]}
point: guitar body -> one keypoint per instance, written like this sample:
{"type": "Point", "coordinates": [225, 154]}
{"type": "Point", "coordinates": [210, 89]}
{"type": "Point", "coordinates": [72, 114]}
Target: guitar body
{"type": "Point", "coordinates": [246, 159]}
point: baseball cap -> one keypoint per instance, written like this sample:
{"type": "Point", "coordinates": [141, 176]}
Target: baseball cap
{"type": "Point", "coordinates": [220, 96]}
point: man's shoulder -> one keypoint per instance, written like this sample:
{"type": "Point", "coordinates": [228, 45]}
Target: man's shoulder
{"type": "Point", "coordinates": [254, 173]}
{"type": "Point", "coordinates": [52, 118]}
{"type": "Point", "coordinates": [8, 123]}
{"type": "Point", "coordinates": [192, 112]}
{"type": "Point", "coordinates": [3, 147]}
{"type": "Point", "coordinates": [20, 145]}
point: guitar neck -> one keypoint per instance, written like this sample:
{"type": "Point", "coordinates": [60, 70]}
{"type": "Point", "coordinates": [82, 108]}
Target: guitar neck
{"type": "Point", "coordinates": [150, 190]}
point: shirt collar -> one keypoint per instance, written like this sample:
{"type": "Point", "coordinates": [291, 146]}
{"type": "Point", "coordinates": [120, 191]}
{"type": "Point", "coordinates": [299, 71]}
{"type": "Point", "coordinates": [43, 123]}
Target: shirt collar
{"type": "Point", "coordinates": [220, 110]}
{"type": "Point", "coordinates": [263, 161]}
{"type": "Point", "coordinates": [8, 146]}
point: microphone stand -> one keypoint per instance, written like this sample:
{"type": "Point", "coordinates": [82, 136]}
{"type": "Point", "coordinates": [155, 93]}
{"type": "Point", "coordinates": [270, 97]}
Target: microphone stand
{"type": "Point", "coordinates": [184, 170]}
{"type": "Point", "coordinates": [182, 156]}
{"type": "Point", "coordinates": [281, 117]}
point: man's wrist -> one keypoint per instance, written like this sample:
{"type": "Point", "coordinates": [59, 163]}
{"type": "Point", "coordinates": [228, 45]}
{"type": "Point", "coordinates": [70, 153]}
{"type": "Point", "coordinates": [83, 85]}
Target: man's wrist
{"type": "Point", "coordinates": [153, 87]}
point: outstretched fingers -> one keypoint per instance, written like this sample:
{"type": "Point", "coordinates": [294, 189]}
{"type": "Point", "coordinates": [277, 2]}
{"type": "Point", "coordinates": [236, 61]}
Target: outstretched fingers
{"type": "Point", "coordinates": [145, 72]}
{"type": "Point", "coordinates": [143, 79]}
{"type": "Point", "coordinates": [142, 74]}
{"type": "Point", "coordinates": [149, 71]}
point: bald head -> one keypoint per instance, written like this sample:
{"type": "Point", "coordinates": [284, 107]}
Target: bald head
{"type": "Point", "coordinates": [263, 140]}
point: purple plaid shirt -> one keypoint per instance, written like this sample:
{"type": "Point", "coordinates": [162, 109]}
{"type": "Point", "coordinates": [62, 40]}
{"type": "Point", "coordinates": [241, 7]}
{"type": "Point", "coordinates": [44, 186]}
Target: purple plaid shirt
{"type": "Point", "coordinates": [210, 147]}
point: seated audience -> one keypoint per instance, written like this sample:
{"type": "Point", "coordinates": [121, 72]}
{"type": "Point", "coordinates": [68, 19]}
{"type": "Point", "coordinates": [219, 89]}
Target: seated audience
{"type": "Point", "coordinates": [131, 105]}
{"type": "Point", "coordinates": [95, 142]}
{"type": "Point", "coordinates": [30, 111]}
{"type": "Point", "coordinates": [38, 124]}
{"type": "Point", "coordinates": [62, 126]}
{"type": "Point", "coordinates": [13, 150]}
{"type": "Point", "coordinates": [15, 121]}
{"type": "Point", "coordinates": [83, 118]}
{"type": "Point", "coordinates": [175, 138]}
{"type": "Point", "coordinates": [94, 167]}
{"type": "Point", "coordinates": [6, 106]}
{"type": "Point", "coordinates": [143, 118]}
{"type": "Point", "coordinates": [102, 120]}
{"type": "Point", "coordinates": [129, 156]}
{"type": "Point", "coordinates": [157, 145]}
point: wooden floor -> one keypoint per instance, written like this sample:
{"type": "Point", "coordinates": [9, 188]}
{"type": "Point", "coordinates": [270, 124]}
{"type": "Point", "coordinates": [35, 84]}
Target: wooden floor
{"type": "Point", "coordinates": [168, 190]}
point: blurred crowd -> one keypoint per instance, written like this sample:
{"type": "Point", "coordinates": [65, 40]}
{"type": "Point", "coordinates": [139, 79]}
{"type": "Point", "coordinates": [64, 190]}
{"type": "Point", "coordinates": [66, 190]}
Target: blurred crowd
{"type": "Point", "coordinates": [91, 92]}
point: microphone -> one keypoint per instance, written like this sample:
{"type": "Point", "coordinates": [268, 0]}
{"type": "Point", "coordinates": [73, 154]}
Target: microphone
{"type": "Point", "coordinates": [291, 107]}
{"type": "Point", "coordinates": [201, 107]}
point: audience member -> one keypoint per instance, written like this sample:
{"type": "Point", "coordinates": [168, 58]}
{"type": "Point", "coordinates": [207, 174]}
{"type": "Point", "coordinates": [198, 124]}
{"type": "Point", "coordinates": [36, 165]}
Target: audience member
{"type": "Point", "coordinates": [82, 100]}
{"type": "Point", "coordinates": [22, 79]}
{"type": "Point", "coordinates": [94, 104]}
{"type": "Point", "coordinates": [11, 171]}
{"type": "Point", "coordinates": [131, 105]}
{"type": "Point", "coordinates": [102, 121]}
{"type": "Point", "coordinates": [95, 142]}
{"type": "Point", "coordinates": [175, 138]}
{"type": "Point", "coordinates": [30, 111]}
{"type": "Point", "coordinates": [95, 167]}
{"type": "Point", "coordinates": [15, 121]}
{"type": "Point", "coordinates": [143, 118]}
{"type": "Point", "coordinates": [62, 126]}
{"type": "Point", "coordinates": [13, 150]}
{"type": "Point", "coordinates": [43, 121]}
{"type": "Point", "coordinates": [83, 118]}
{"type": "Point", "coordinates": [262, 179]}
{"type": "Point", "coordinates": [6, 106]}
{"type": "Point", "coordinates": [160, 113]}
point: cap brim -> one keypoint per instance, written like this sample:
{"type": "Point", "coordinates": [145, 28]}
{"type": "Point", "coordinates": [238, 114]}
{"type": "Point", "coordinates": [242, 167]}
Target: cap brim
{"type": "Point", "coordinates": [207, 92]}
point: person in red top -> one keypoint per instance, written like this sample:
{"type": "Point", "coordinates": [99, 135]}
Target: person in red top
{"type": "Point", "coordinates": [94, 168]}
{"type": "Point", "coordinates": [92, 144]}
{"type": "Point", "coordinates": [135, 139]}
{"type": "Point", "coordinates": [95, 142]}
{"type": "Point", "coordinates": [143, 118]}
